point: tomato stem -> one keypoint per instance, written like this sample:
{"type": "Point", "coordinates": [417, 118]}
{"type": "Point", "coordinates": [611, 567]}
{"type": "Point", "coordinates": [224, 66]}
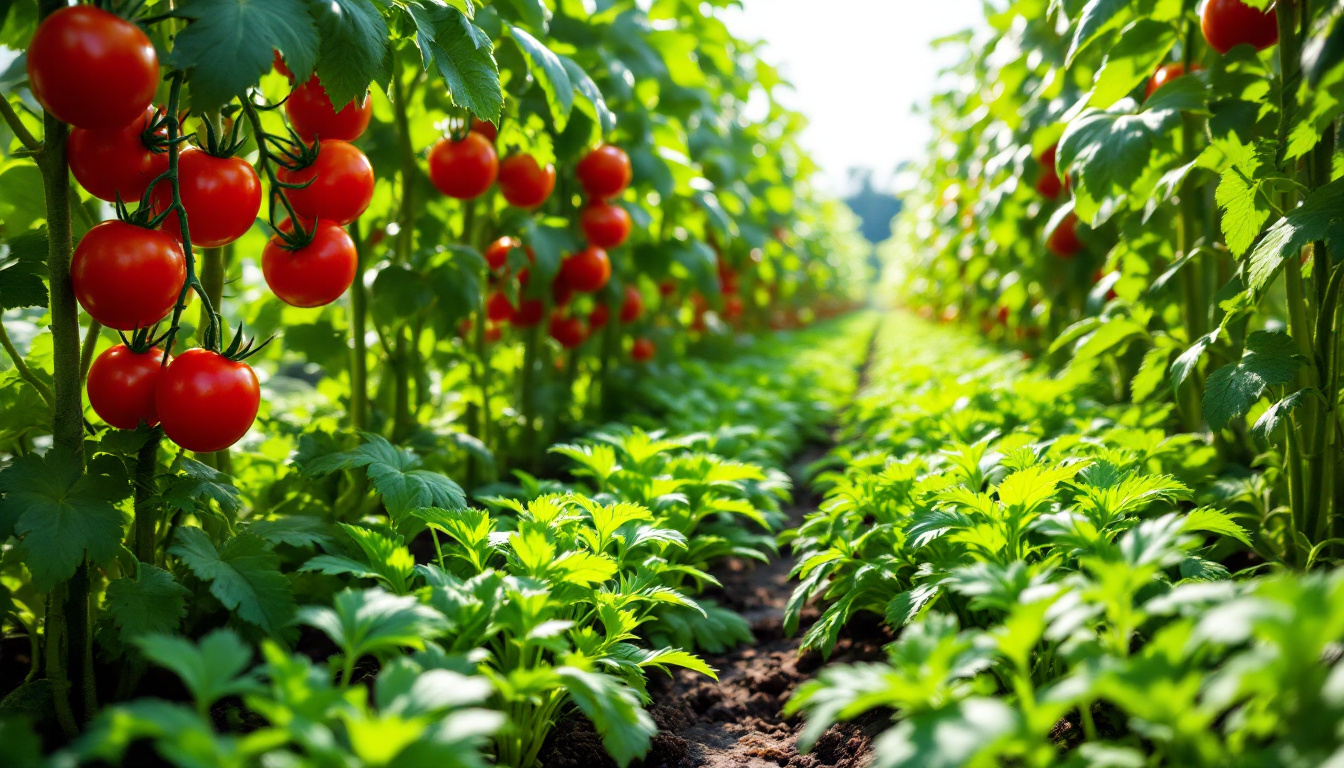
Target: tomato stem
{"type": "Point", "coordinates": [25, 372]}
{"type": "Point", "coordinates": [26, 137]}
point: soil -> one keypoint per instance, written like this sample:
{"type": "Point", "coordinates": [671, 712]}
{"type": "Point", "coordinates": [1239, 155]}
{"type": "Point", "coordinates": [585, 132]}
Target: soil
{"type": "Point", "coordinates": [736, 722]}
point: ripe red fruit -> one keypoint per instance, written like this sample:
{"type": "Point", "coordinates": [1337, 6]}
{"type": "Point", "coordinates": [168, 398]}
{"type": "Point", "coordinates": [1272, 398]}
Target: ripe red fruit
{"type": "Point", "coordinates": [667, 288]}
{"type": "Point", "coordinates": [92, 69]}
{"type": "Point", "coordinates": [605, 172]}
{"type": "Point", "coordinates": [463, 169]}
{"type": "Point", "coordinates": [127, 277]}
{"type": "Point", "coordinates": [493, 333]}
{"type": "Point", "coordinates": [122, 385]}
{"type": "Point", "coordinates": [587, 271]}
{"type": "Point", "coordinates": [633, 306]}
{"type": "Point", "coordinates": [278, 63]}
{"type": "Point", "coordinates": [115, 162]}
{"type": "Point", "coordinates": [206, 401]}
{"type": "Point", "coordinates": [599, 316]}
{"type": "Point", "coordinates": [523, 182]}
{"type": "Point", "coordinates": [1165, 74]}
{"type": "Point", "coordinates": [314, 275]}
{"type": "Point", "coordinates": [605, 225]}
{"type": "Point", "coordinates": [313, 115]}
{"type": "Point", "coordinates": [642, 350]}
{"type": "Point", "coordinates": [498, 308]}
{"type": "Point", "coordinates": [1048, 183]}
{"type": "Point", "coordinates": [1229, 23]}
{"type": "Point", "coordinates": [732, 306]}
{"type": "Point", "coordinates": [569, 331]}
{"type": "Point", "coordinates": [1064, 242]}
{"type": "Point", "coordinates": [488, 130]}
{"type": "Point", "coordinates": [529, 312]}
{"type": "Point", "coordinates": [343, 185]}
{"type": "Point", "coordinates": [497, 253]}
{"type": "Point", "coordinates": [222, 196]}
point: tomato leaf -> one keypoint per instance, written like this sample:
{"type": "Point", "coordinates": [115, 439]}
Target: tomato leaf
{"type": "Point", "coordinates": [196, 487]}
{"type": "Point", "coordinates": [394, 474]}
{"type": "Point", "coordinates": [60, 514]}
{"type": "Point", "coordinates": [229, 44]}
{"type": "Point", "coordinates": [1117, 157]}
{"type": "Point", "coordinates": [22, 270]}
{"type": "Point", "coordinates": [592, 102]}
{"type": "Point", "coordinates": [463, 55]}
{"type": "Point", "coordinates": [244, 575]}
{"type": "Point", "coordinates": [1321, 217]}
{"type": "Point", "coordinates": [1097, 18]}
{"type": "Point", "coordinates": [549, 73]}
{"type": "Point", "coordinates": [354, 47]}
{"type": "Point", "coordinates": [1141, 48]}
{"type": "Point", "coordinates": [151, 601]}
{"type": "Point", "coordinates": [211, 670]}
{"type": "Point", "coordinates": [1270, 360]}
{"type": "Point", "coordinates": [1244, 195]}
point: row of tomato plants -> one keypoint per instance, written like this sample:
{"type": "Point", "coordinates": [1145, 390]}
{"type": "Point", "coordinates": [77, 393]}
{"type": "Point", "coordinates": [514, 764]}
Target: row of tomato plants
{"type": "Point", "coordinates": [1150, 198]}
{"type": "Point", "coordinates": [1068, 583]}
{"type": "Point", "coordinates": [420, 629]}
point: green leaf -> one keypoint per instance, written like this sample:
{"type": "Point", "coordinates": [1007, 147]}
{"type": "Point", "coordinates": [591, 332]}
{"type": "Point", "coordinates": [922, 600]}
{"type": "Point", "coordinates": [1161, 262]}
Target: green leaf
{"type": "Point", "coordinates": [550, 74]}
{"type": "Point", "coordinates": [1273, 416]}
{"type": "Point", "coordinates": [959, 734]}
{"type": "Point", "coordinates": [244, 576]}
{"type": "Point", "coordinates": [394, 475]}
{"type": "Point", "coordinates": [1142, 47]}
{"type": "Point", "coordinates": [372, 621]}
{"type": "Point", "coordinates": [354, 40]}
{"type": "Point", "coordinates": [211, 670]}
{"type": "Point", "coordinates": [22, 270]}
{"type": "Point", "coordinates": [614, 710]}
{"type": "Point", "coordinates": [1244, 195]}
{"type": "Point", "coordinates": [1210, 520]}
{"type": "Point", "coordinates": [662, 658]}
{"type": "Point", "coordinates": [1187, 360]}
{"type": "Point", "coordinates": [150, 602]}
{"type": "Point", "coordinates": [60, 514]}
{"type": "Point", "coordinates": [1150, 374]}
{"type": "Point", "coordinates": [399, 293]}
{"type": "Point", "coordinates": [1270, 360]}
{"type": "Point", "coordinates": [1098, 17]}
{"type": "Point", "coordinates": [196, 487]}
{"type": "Point", "coordinates": [1117, 157]}
{"type": "Point", "coordinates": [229, 45]}
{"type": "Point", "coordinates": [592, 103]}
{"type": "Point", "coordinates": [1321, 217]}
{"type": "Point", "coordinates": [463, 55]}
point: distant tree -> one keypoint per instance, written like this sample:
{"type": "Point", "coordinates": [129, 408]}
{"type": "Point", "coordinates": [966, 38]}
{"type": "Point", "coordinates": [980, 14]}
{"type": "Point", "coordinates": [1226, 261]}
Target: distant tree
{"type": "Point", "coordinates": [874, 207]}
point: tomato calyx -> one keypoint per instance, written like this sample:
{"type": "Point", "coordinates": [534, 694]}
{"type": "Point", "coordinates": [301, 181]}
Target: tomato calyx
{"type": "Point", "coordinates": [240, 348]}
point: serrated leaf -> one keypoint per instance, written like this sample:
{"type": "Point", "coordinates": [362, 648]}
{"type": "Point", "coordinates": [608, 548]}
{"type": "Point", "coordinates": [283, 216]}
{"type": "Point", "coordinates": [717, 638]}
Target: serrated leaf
{"type": "Point", "coordinates": [1270, 360]}
{"type": "Point", "coordinates": [211, 670]}
{"type": "Point", "coordinates": [229, 45]}
{"type": "Point", "coordinates": [394, 474]}
{"type": "Point", "coordinates": [1321, 217]}
{"type": "Point", "coordinates": [1244, 195]}
{"type": "Point", "coordinates": [1142, 46]}
{"type": "Point", "coordinates": [1151, 372]}
{"type": "Point", "coordinates": [1273, 417]}
{"type": "Point", "coordinates": [1187, 360]}
{"type": "Point", "coordinates": [549, 73]}
{"type": "Point", "coordinates": [196, 487]}
{"type": "Point", "coordinates": [372, 621]}
{"type": "Point", "coordinates": [22, 270]}
{"type": "Point", "coordinates": [354, 46]}
{"type": "Point", "coordinates": [463, 55]}
{"type": "Point", "coordinates": [1117, 157]}
{"type": "Point", "coordinates": [244, 576]}
{"type": "Point", "coordinates": [614, 709]}
{"type": "Point", "coordinates": [60, 514]}
{"type": "Point", "coordinates": [1098, 17]}
{"type": "Point", "coordinates": [1209, 520]}
{"type": "Point", "coordinates": [149, 602]}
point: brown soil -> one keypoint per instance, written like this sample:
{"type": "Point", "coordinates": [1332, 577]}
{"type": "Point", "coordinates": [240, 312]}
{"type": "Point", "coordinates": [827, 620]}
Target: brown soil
{"type": "Point", "coordinates": [736, 722]}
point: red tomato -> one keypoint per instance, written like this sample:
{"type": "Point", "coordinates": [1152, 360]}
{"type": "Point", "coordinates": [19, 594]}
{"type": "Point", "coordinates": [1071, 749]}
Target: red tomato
{"type": "Point", "coordinates": [497, 254]}
{"type": "Point", "coordinates": [1229, 23]}
{"type": "Point", "coordinates": [529, 312]}
{"type": "Point", "coordinates": [122, 383]}
{"type": "Point", "coordinates": [278, 63]}
{"type": "Point", "coordinates": [206, 401]}
{"type": "Point", "coordinates": [732, 306]}
{"type": "Point", "coordinates": [127, 277]}
{"type": "Point", "coordinates": [569, 331]}
{"type": "Point", "coordinates": [312, 114]}
{"type": "Point", "coordinates": [498, 308]}
{"type": "Point", "coordinates": [633, 306]}
{"type": "Point", "coordinates": [92, 69]}
{"type": "Point", "coordinates": [115, 161]}
{"type": "Point", "coordinates": [314, 275]}
{"type": "Point", "coordinates": [587, 271]}
{"type": "Point", "coordinates": [1048, 183]}
{"type": "Point", "coordinates": [488, 130]}
{"type": "Point", "coordinates": [1165, 74]}
{"type": "Point", "coordinates": [343, 186]}
{"type": "Point", "coordinates": [523, 182]}
{"type": "Point", "coordinates": [727, 278]}
{"type": "Point", "coordinates": [463, 169]}
{"type": "Point", "coordinates": [493, 333]}
{"type": "Point", "coordinates": [1064, 242]}
{"type": "Point", "coordinates": [599, 316]}
{"type": "Point", "coordinates": [605, 172]}
{"type": "Point", "coordinates": [222, 196]}
{"type": "Point", "coordinates": [642, 350]}
{"type": "Point", "coordinates": [667, 288]}
{"type": "Point", "coordinates": [605, 225]}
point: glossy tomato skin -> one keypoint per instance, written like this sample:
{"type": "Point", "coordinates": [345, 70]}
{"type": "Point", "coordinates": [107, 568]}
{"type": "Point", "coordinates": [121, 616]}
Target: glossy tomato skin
{"type": "Point", "coordinates": [569, 331]}
{"type": "Point", "coordinates": [314, 275]}
{"type": "Point", "coordinates": [1229, 23]}
{"type": "Point", "coordinates": [207, 402]}
{"type": "Point", "coordinates": [633, 306]}
{"type": "Point", "coordinates": [122, 386]}
{"type": "Point", "coordinates": [1165, 74]}
{"type": "Point", "coordinates": [529, 312]}
{"type": "Point", "coordinates": [115, 162]}
{"type": "Point", "coordinates": [642, 350]}
{"type": "Point", "coordinates": [1064, 242]}
{"type": "Point", "coordinates": [488, 130]}
{"type": "Point", "coordinates": [599, 316]}
{"type": "Point", "coordinates": [605, 225]}
{"type": "Point", "coordinates": [127, 277]}
{"type": "Point", "coordinates": [605, 172]}
{"type": "Point", "coordinates": [463, 169]}
{"type": "Point", "coordinates": [222, 196]}
{"type": "Point", "coordinates": [498, 308]}
{"type": "Point", "coordinates": [497, 253]}
{"type": "Point", "coordinates": [1048, 183]}
{"type": "Point", "coordinates": [524, 182]}
{"type": "Point", "coordinates": [92, 69]}
{"type": "Point", "coordinates": [342, 184]}
{"type": "Point", "coordinates": [278, 64]}
{"type": "Point", "coordinates": [313, 115]}
{"type": "Point", "coordinates": [586, 271]}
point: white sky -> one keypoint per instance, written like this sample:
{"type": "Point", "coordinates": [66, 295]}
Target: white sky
{"type": "Point", "coordinates": [858, 68]}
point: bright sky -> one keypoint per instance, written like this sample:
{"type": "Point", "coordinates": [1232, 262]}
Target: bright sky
{"type": "Point", "coordinates": [858, 68]}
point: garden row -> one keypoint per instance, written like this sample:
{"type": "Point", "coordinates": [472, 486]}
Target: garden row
{"type": "Point", "coordinates": [1068, 583]}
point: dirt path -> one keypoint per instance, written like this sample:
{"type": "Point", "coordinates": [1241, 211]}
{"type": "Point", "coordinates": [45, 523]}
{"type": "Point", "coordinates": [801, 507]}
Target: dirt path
{"type": "Point", "coordinates": [736, 721]}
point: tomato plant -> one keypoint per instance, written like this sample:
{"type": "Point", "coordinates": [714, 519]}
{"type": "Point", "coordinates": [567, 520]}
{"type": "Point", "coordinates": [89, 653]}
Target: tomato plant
{"type": "Point", "coordinates": [524, 182]}
{"type": "Point", "coordinates": [122, 385]}
{"type": "Point", "coordinates": [314, 117]}
{"type": "Point", "coordinates": [126, 276]}
{"type": "Point", "coordinates": [116, 163]}
{"type": "Point", "coordinates": [92, 69]}
{"type": "Point", "coordinates": [337, 185]}
{"type": "Point", "coordinates": [1229, 23]}
{"type": "Point", "coordinates": [314, 274]}
{"type": "Point", "coordinates": [222, 196]}
{"type": "Point", "coordinates": [207, 402]}
{"type": "Point", "coordinates": [464, 168]}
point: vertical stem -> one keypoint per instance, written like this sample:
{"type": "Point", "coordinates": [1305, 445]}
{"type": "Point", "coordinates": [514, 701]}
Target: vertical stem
{"type": "Point", "coordinates": [359, 353]}
{"type": "Point", "coordinates": [213, 266]}
{"type": "Point", "coordinates": [87, 349]}
{"type": "Point", "coordinates": [528, 394]}
{"type": "Point", "coordinates": [146, 512]}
